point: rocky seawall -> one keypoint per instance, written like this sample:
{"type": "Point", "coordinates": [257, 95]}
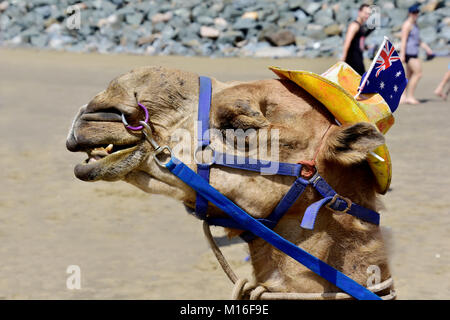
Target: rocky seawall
{"type": "Point", "coordinates": [228, 28]}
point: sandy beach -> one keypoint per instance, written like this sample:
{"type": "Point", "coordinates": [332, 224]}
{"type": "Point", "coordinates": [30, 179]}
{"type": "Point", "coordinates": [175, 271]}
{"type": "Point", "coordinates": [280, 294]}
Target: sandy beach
{"type": "Point", "coordinates": [132, 245]}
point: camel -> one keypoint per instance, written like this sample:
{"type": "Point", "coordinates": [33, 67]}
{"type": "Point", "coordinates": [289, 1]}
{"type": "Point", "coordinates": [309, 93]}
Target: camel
{"type": "Point", "coordinates": [304, 126]}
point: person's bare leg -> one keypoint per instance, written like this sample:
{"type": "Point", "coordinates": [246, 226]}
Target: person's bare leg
{"type": "Point", "coordinates": [439, 91]}
{"type": "Point", "coordinates": [416, 74]}
{"type": "Point", "coordinates": [408, 75]}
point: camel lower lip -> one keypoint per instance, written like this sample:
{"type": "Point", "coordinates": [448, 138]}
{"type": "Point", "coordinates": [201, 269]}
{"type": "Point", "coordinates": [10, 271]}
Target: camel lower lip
{"type": "Point", "coordinates": [91, 168]}
{"type": "Point", "coordinates": [86, 171]}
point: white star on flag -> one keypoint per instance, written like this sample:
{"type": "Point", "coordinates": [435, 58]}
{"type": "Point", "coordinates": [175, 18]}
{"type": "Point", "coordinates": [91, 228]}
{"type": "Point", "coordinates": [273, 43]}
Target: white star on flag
{"type": "Point", "coordinates": [381, 85]}
{"type": "Point", "coordinates": [395, 88]}
{"type": "Point", "coordinates": [398, 74]}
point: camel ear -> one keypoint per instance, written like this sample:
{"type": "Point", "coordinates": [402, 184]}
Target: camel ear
{"type": "Point", "coordinates": [351, 144]}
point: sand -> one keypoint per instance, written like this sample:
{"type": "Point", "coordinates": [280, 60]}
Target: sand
{"type": "Point", "coordinates": [131, 245]}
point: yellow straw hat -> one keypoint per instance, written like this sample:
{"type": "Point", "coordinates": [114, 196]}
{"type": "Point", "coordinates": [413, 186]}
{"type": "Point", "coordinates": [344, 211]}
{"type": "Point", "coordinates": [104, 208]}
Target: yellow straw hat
{"type": "Point", "coordinates": [336, 89]}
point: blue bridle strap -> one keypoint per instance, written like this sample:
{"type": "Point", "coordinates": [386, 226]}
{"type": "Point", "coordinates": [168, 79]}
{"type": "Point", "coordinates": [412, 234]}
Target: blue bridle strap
{"type": "Point", "coordinates": [242, 219]}
{"type": "Point", "coordinates": [204, 105]}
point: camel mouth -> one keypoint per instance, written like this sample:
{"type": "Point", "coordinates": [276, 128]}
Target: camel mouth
{"type": "Point", "coordinates": [102, 152]}
{"type": "Point", "coordinates": [110, 162]}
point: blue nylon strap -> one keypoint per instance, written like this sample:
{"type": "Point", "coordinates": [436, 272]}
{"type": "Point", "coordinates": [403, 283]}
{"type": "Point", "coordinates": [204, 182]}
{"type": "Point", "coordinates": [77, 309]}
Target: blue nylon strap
{"type": "Point", "coordinates": [289, 199]}
{"type": "Point", "coordinates": [309, 218]}
{"type": "Point", "coordinates": [204, 106]}
{"type": "Point", "coordinates": [264, 167]}
{"type": "Point", "coordinates": [283, 206]}
{"type": "Point", "coordinates": [230, 223]}
{"type": "Point", "coordinates": [319, 267]}
{"type": "Point", "coordinates": [340, 205]}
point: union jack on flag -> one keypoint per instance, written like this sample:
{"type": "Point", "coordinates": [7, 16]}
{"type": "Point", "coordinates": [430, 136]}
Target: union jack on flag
{"type": "Point", "coordinates": [386, 76]}
{"type": "Point", "coordinates": [386, 58]}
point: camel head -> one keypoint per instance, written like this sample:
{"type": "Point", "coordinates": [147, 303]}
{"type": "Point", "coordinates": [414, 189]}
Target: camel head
{"type": "Point", "coordinates": [276, 108]}
{"type": "Point", "coordinates": [171, 96]}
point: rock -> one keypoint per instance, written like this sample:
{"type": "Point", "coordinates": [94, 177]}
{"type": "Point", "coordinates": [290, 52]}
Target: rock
{"type": "Point", "coordinates": [426, 20]}
{"type": "Point", "coordinates": [281, 38]}
{"type": "Point", "coordinates": [44, 11]}
{"type": "Point", "coordinates": [330, 43]}
{"type": "Point", "coordinates": [193, 43]}
{"type": "Point", "coordinates": [445, 32]}
{"type": "Point", "coordinates": [430, 6]}
{"type": "Point", "coordinates": [272, 17]}
{"type": "Point", "coordinates": [312, 7]}
{"type": "Point", "coordinates": [150, 51]}
{"type": "Point", "coordinates": [30, 32]}
{"type": "Point", "coordinates": [183, 13]}
{"type": "Point", "coordinates": [405, 4]}
{"type": "Point", "coordinates": [342, 16]}
{"type": "Point", "coordinates": [161, 17]}
{"type": "Point", "coordinates": [333, 30]}
{"type": "Point", "coordinates": [286, 19]}
{"type": "Point", "coordinates": [388, 5]}
{"type": "Point", "coordinates": [252, 15]}
{"type": "Point", "coordinates": [244, 23]}
{"type": "Point", "coordinates": [300, 15]}
{"type": "Point", "coordinates": [230, 37]}
{"type": "Point", "coordinates": [428, 35]}
{"type": "Point", "coordinates": [168, 33]}
{"type": "Point", "coordinates": [113, 20]}
{"type": "Point", "coordinates": [445, 22]}
{"type": "Point", "coordinates": [324, 17]}
{"type": "Point", "coordinates": [301, 41]}
{"type": "Point", "coordinates": [216, 8]}
{"type": "Point", "coordinates": [58, 42]}
{"type": "Point", "coordinates": [39, 41]}
{"type": "Point", "coordinates": [17, 40]}
{"type": "Point", "coordinates": [220, 23]}
{"type": "Point", "coordinates": [135, 18]}
{"type": "Point", "coordinates": [54, 28]}
{"type": "Point", "coordinates": [209, 32]}
{"type": "Point", "coordinates": [241, 44]}
{"type": "Point", "coordinates": [148, 39]}
{"type": "Point", "coordinates": [397, 16]}
{"type": "Point", "coordinates": [205, 20]}
{"type": "Point", "coordinates": [304, 28]}
{"type": "Point", "coordinates": [315, 31]}
{"type": "Point", "coordinates": [296, 4]}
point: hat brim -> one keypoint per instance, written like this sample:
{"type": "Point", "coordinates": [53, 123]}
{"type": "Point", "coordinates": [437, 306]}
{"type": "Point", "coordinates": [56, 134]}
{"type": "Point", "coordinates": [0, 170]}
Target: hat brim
{"type": "Point", "coordinates": [346, 110]}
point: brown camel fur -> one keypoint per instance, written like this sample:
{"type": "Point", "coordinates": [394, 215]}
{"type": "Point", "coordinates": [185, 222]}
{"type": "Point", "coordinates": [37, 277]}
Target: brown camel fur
{"type": "Point", "coordinates": [171, 96]}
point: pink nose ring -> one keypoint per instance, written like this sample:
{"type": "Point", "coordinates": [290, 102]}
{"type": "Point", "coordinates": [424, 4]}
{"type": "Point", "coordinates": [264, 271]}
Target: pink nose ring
{"type": "Point", "coordinates": [138, 127]}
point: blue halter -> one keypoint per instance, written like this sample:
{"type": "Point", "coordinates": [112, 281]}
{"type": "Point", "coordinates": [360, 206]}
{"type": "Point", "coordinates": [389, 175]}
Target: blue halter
{"type": "Point", "coordinates": [262, 228]}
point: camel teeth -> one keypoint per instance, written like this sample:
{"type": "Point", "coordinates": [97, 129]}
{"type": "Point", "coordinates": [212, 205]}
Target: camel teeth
{"type": "Point", "coordinates": [109, 148]}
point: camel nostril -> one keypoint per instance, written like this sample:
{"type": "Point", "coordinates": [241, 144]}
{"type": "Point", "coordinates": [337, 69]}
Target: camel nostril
{"type": "Point", "coordinates": [101, 116]}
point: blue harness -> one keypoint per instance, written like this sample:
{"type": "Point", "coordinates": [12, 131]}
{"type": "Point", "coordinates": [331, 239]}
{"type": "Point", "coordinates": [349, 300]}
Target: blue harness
{"type": "Point", "coordinates": [239, 219]}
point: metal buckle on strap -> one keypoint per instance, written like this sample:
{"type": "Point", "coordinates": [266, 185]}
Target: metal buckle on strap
{"type": "Point", "coordinates": [202, 148]}
{"type": "Point", "coordinates": [158, 149]}
{"type": "Point", "coordinates": [316, 176]}
{"type": "Point", "coordinates": [336, 196]}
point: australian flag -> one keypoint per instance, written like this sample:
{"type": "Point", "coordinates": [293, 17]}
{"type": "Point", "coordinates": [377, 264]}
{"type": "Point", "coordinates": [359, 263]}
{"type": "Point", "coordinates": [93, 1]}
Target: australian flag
{"type": "Point", "coordinates": [386, 76]}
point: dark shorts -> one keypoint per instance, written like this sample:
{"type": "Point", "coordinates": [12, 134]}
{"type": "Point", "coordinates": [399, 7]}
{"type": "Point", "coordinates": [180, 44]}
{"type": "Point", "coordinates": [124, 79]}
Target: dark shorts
{"type": "Point", "coordinates": [409, 56]}
{"type": "Point", "coordinates": [355, 60]}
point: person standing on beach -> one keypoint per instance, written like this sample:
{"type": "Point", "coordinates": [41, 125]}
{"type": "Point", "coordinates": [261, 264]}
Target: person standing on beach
{"type": "Point", "coordinates": [410, 44]}
{"type": "Point", "coordinates": [354, 40]}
